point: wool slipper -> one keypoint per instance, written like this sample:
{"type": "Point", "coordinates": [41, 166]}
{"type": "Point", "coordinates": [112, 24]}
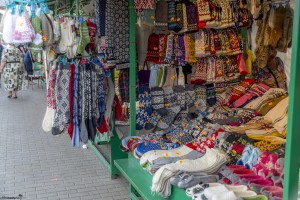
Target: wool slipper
{"type": "Point", "coordinates": [196, 179]}
{"type": "Point", "coordinates": [256, 185]}
{"type": "Point", "coordinates": [236, 188]}
{"type": "Point", "coordinates": [245, 179]}
{"type": "Point", "coordinates": [257, 197]}
{"type": "Point", "coordinates": [253, 158]}
{"type": "Point", "coordinates": [210, 192]}
{"type": "Point", "coordinates": [230, 195]}
{"type": "Point", "coordinates": [272, 191]}
{"type": "Point", "coordinates": [243, 194]}
{"type": "Point", "coordinates": [199, 188]}
{"type": "Point", "coordinates": [245, 155]}
{"type": "Point", "coordinates": [234, 167]}
{"type": "Point", "coordinates": [241, 172]}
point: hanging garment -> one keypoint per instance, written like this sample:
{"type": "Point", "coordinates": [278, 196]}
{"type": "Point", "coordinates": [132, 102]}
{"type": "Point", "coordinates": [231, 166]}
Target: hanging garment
{"type": "Point", "coordinates": [51, 101]}
{"type": "Point", "coordinates": [117, 32]}
{"type": "Point", "coordinates": [10, 25]}
{"type": "Point", "coordinates": [76, 124]}
{"type": "Point", "coordinates": [141, 5]}
{"type": "Point", "coordinates": [37, 42]}
{"type": "Point", "coordinates": [62, 114]}
{"type": "Point", "coordinates": [71, 99]}
{"type": "Point", "coordinates": [100, 13]}
{"type": "Point", "coordinates": [23, 32]}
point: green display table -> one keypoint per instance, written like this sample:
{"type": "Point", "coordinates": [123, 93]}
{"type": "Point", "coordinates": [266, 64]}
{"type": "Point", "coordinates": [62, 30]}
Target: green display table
{"type": "Point", "coordinates": [141, 181]}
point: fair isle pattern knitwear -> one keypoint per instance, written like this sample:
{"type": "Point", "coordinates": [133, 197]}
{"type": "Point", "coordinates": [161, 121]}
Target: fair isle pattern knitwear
{"type": "Point", "coordinates": [161, 16]}
{"type": "Point", "coordinates": [76, 125]}
{"type": "Point", "coordinates": [203, 10]}
{"type": "Point", "coordinates": [200, 74]}
{"type": "Point", "coordinates": [190, 95]}
{"type": "Point", "coordinates": [172, 22]}
{"type": "Point", "coordinates": [51, 100]}
{"type": "Point", "coordinates": [141, 5]}
{"type": "Point", "coordinates": [180, 96]}
{"type": "Point", "coordinates": [199, 44]}
{"type": "Point", "coordinates": [153, 120]}
{"type": "Point", "coordinates": [181, 50]}
{"type": "Point", "coordinates": [168, 119]}
{"type": "Point", "coordinates": [211, 94]}
{"type": "Point", "coordinates": [157, 98]}
{"type": "Point", "coordinates": [117, 31]}
{"type": "Point", "coordinates": [211, 69]}
{"type": "Point", "coordinates": [62, 116]}
{"type": "Point", "coordinates": [170, 49]}
{"type": "Point", "coordinates": [101, 98]}
{"type": "Point", "coordinates": [145, 108]}
{"type": "Point", "coordinates": [100, 13]}
{"type": "Point", "coordinates": [200, 93]}
{"type": "Point", "coordinates": [169, 97]}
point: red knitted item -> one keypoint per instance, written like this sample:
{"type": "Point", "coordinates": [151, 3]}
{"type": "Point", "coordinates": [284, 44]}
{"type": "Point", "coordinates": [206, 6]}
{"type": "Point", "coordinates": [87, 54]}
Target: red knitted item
{"type": "Point", "coordinates": [118, 109]}
{"type": "Point", "coordinates": [200, 75]}
{"type": "Point", "coordinates": [71, 99]}
{"type": "Point", "coordinates": [153, 48]}
{"type": "Point", "coordinates": [239, 90]}
{"type": "Point", "coordinates": [92, 33]}
{"type": "Point", "coordinates": [103, 127]}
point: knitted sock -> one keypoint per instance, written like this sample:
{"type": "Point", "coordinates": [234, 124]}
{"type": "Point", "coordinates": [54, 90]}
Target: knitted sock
{"type": "Point", "coordinates": [180, 96]}
{"type": "Point", "coordinates": [211, 94]}
{"type": "Point", "coordinates": [212, 42]}
{"type": "Point", "coordinates": [207, 42]}
{"type": "Point", "coordinates": [169, 97]}
{"type": "Point", "coordinates": [92, 33]}
{"type": "Point", "coordinates": [211, 70]}
{"type": "Point", "coordinates": [171, 77]}
{"type": "Point", "coordinates": [152, 155]}
{"type": "Point", "coordinates": [153, 77]}
{"type": "Point", "coordinates": [203, 12]}
{"type": "Point", "coordinates": [200, 94]}
{"type": "Point", "coordinates": [221, 92]}
{"type": "Point", "coordinates": [167, 160]}
{"type": "Point", "coordinates": [168, 119]}
{"type": "Point", "coordinates": [153, 120]}
{"type": "Point", "coordinates": [170, 49]}
{"type": "Point", "coordinates": [181, 79]}
{"type": "Point", "coordinates": [190, 52]}
{"type": "Point", "coordinates": [199, 44]}
{"type": "Point", "coordinates": [51, 102]}
{"type": "Point", "coordinates": [239, 90]}
{"type": "Point", "coordinates": [200, 74]}
{"type": "Point", "coordinates": [84, 38]}
{"type": "Point", "coordinates": [179, 17]}
{"type": "Point", "coordinates": [162, 46]}
{"type": "Point", "coordinates": [145, 108]}
{"type": "Point", "coordinates": [164, 76]}
{"type": "Point", "coordinates": [157, 100]}
{"type": "Point", "coordinates": [191, 12]}
{"type": "Point", "coordinates": [153, 48]}
{"type": "Point", "coordinates": [172, 21]}
{"type": "Point", "coordinates": [159, 76]}
{"type": "Point", "coordinates": [190, 95]}
{"type": "Point", "coordinates": [62, 116]}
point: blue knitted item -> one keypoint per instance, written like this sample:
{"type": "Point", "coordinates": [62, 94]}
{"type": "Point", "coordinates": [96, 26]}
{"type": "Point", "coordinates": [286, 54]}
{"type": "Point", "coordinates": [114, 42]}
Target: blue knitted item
{"type": "Point", "coordinates": [145, 108]}
{"type": "Point", "coordinates": [145, 147]}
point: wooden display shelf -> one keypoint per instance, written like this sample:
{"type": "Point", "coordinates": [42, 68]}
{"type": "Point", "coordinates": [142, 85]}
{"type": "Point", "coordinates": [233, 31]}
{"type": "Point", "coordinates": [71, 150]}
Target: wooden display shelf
{"type": "Point", "coordinates": [141, 181]}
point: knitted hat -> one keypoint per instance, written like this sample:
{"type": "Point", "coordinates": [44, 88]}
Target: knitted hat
{"type": "Point", "coordinates": [47, 29]}
{"type": "Point", "coordinates": [161, 16]}
{"type": "Point", "coordinates": [153, 48]}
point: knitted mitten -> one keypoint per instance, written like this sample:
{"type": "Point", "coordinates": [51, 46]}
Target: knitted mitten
{"type": "Point", "coordinates": [145, 108]}
{"type": "Point", "coordinates": [84, 38]}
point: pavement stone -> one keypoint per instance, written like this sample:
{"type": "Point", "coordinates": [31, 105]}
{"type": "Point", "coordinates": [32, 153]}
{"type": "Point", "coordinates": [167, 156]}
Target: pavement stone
{"type": "Point", "coordinates": [40, 166]}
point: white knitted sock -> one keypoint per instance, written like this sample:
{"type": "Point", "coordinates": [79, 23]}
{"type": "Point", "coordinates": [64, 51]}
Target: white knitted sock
{"type": "Point", "coordinates": [152, 155]}
{"type": "Point", "coordinates": [48, 119]}
{"type": "Point", "coordinates": [225, 196]}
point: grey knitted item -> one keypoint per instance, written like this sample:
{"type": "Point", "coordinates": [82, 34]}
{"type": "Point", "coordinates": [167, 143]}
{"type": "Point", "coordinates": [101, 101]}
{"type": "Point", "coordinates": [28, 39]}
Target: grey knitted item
{"type": "Point", "coordinates": [153, 120]}
{"type": "Point", "coordinates": [168, 119]}
{"type": "Point", "coordinates": [62, 114]}
{"type": "Point", "coordinates": [180, 96]}
{"type": "Point", "coordinates": [169, 97]}
{"type": "Point", "coordinates": [190, 95]}
{"type": "Point", "coordinates": [157, 100]}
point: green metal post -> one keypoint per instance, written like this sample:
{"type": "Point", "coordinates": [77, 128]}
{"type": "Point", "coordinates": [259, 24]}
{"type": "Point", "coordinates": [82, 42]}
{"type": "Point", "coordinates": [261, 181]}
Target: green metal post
{"type": "Point", "coordinates": [291, 167]}
{"type": "Point", "coordinates": [71, 7]}
{"type": "Point", "coordinates": [132, 70]}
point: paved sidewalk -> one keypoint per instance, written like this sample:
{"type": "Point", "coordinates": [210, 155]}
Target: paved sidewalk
{"type": "Point", "coordinates": [40, 166]}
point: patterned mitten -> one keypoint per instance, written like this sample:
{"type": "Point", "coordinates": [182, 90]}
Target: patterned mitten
{"type": "Point", "coordinates": [145, 108]}
{"type": "Point", "coordinates": [200, 74]}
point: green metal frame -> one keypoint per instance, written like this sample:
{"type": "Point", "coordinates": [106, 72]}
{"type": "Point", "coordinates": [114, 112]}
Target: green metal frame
{"type": "Point", "coordinates": [292, 154]}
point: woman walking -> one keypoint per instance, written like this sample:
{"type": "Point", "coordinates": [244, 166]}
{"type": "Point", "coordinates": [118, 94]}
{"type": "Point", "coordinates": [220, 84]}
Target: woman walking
{"type": "Point", "coordinates": [12, 67]}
